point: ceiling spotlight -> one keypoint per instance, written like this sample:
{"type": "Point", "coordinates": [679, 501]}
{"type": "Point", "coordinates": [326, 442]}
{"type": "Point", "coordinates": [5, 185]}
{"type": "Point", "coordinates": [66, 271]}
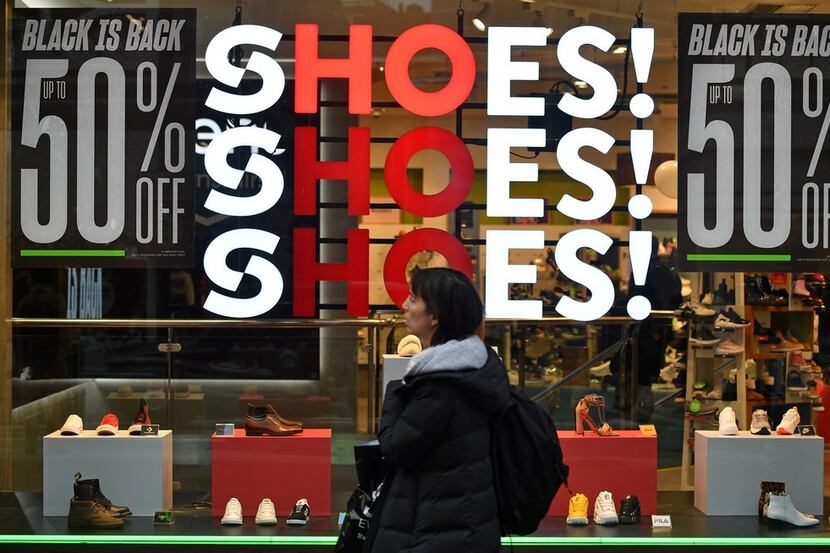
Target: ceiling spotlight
{"type": "Point", "coordinates": [479, 21]}
{"type": "Point", "coordinates": [540, 22]}
{"type": "Point", "coordinates": [620, 50]}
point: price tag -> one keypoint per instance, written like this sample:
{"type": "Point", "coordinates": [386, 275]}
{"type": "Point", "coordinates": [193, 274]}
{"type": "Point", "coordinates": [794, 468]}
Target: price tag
{"type": "Point", "coordinates": [661, 521]}
{"type": "Point", "coordinates": [648, 430]}
{"type": "Point", "coordinates": [163, 517]}
{"type": "Point", "coordinates": [806, 430]}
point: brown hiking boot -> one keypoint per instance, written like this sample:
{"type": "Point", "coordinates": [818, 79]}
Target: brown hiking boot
{"type": "Point", "coordinates": [88, 511]}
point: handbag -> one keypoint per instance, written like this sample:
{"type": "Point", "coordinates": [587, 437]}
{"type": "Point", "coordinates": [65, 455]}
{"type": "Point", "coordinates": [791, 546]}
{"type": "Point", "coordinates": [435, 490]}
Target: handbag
{"type": "Point", "coordinates": [373, 474]}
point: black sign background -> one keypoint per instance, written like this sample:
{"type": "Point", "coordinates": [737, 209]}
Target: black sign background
{"type": "Point", "coordinates": [757, 143]}
{"type": "Point", "coordinates": [138, 130]}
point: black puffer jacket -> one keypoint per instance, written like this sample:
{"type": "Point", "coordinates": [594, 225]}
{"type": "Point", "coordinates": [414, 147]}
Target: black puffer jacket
{"type": "Point", "coordinates": [435, 432]}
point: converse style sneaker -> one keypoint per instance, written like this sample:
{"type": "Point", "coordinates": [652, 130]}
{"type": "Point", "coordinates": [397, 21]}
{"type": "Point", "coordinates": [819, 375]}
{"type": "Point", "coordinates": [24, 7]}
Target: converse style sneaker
{"type": "Point", "coordinates": [142, 417]}
{"type": "Point", "coordinates": [73, 426]}
{"type": "Point", "coordinates": [233, 513]}
{"type": "Point", "coordinates": [299, 514]}
{"type": "Point", "coordinates": [604, 511]}
{"type": "Point", "coordinates": [760, 423]}
{"type": "Point", "coordinates": [266, 515]}
{"type": "Point", "coordinates": [108, 426]}
{"type": "Point", "coordinates": [577, 510]}
{"type": "Point", "coordinates": [788, 424]}
{"type": "Point", "coordinates": [726, 422]}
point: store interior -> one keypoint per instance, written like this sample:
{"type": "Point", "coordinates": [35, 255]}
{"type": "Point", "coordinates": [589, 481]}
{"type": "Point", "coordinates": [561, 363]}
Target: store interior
{"type": "Point", "coordinates": [137, 343]}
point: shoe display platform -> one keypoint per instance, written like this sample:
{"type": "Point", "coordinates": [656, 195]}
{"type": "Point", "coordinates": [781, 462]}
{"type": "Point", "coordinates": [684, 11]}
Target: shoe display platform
{"type": "Point", "coordinates": [23, 528]}
{"type": "Point", "coordinates": [282, 468]}
{"type": "Point", "coordinates": [623, 464]}
{"type": "Point", "coordinates": [136, 471]}
{"type": "Point", "coordinates": [729, 471]}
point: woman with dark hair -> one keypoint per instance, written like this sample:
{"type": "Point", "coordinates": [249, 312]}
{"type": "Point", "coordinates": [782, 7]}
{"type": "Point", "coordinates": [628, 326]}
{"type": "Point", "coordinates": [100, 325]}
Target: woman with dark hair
{"type": "Point", "coordinates": [435, 427]}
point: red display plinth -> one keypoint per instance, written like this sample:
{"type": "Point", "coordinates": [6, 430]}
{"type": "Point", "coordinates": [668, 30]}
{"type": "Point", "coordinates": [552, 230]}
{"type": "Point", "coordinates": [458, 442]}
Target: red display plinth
{"type": "Point", "coordinates": [282, 468]}
{"type": "Point", "coordinates": [625, 464]}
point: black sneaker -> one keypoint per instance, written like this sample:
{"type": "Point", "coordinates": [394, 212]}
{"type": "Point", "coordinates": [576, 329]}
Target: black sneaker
{"type": "Point", "coordinates": [735, 318]}
{"type": "Point", "coordinates": [704, 338]}
{"type": "Point", "coordinates": [299, 514]}
{"type": "Point", "coordinates": [630, 510]}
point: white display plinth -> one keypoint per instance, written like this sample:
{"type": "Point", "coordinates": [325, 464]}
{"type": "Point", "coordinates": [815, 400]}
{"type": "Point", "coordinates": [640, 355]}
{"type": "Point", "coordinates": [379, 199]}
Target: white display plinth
{"type": "Point", "coordinates": [135, 471]}
{"type": "Point", "coordinates": [394, 367]}
{"type": "Point", "coordinates": [729, 471]}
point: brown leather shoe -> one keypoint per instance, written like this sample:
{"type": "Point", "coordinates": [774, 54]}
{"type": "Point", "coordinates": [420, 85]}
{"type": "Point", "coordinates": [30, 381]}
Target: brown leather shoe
{"type": "Point", "coordinates": [258, 412]}
{"type": "Point", "coordinates": [273, 412]}
{"type": "Point", "coordinates": [265, 423]}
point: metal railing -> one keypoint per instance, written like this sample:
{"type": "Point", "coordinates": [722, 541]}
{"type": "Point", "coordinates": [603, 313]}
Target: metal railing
{"type": "Point", "coordinates": [374, 326]}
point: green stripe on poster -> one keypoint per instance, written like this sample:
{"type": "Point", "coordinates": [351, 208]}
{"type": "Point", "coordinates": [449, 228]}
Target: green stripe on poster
{"type": "Point", "coordinates": [738, 257]}
{"type": "Point", "coordinates": [72, 253]}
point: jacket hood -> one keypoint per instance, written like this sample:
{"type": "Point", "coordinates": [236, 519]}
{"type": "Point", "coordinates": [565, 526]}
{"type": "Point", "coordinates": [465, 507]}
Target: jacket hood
{"type": "Point", "coordinates": [467, 364]}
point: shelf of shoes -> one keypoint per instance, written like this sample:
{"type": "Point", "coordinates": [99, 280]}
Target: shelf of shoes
{"type": "Point", "coordinates": [714, 362]}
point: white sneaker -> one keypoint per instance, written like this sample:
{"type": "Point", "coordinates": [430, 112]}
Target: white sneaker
{"type": "Point", "coordinates": [789, 422]}
{"type": "Point", "coordinates": [604, 510]}
{"type": "Point", "coordinates": [233, 513]}
{"type": "Point", "coordinates": [708, 299]}
{"type": "Point", "coordinates": [760, 423]}
{"type": "Point", "coordinates": [726, 423]}
{"type": "Point", "coordinates": [728, 347]}
{"type": "Point", "coordinates": [781, 509]}
{"type": "Point", "coordinates": [266, 515]}
{"type": "Point", "coordinates": [73, 426]}
{"type": "Point", "coordinates": [669, 373]}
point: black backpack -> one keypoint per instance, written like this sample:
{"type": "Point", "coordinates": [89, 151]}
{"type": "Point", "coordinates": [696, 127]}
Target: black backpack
{"type": "Point", "coordinates": [528, 468]}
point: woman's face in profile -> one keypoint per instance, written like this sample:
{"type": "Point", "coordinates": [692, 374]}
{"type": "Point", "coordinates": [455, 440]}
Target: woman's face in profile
{"type": "Point", "coordinates": [418, 321]}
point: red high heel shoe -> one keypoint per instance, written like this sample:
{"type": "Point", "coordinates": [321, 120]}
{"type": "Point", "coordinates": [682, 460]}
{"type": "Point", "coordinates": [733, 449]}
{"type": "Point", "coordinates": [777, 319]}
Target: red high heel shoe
{"type": "Point", "coordinates": [583, 416]}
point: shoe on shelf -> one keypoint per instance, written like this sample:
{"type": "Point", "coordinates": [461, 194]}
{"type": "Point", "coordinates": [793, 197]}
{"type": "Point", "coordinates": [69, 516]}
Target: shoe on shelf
{"type": "Point", "coordinates": [704, 338]}
{"type": "Point", "coordinates": [630, 510]}
{"type": "Point", "coordinates": [577, 510]}
{"type": "Point", "coordinates": [728, 347]}
{"type": "Point", "coordinates": [707, 299]}
{"type": "Point", "coordinates": [266, 514]}
{"type": "Point", "coordinates": [799, 289]}
{"type": "Point", "coordinates": [669, 373]}
{"type": "Point", "coordinates": [108, 426]}
{"type": "Point", "coordinates": [733, 316]}
{"type": "Point", "coordinates": [724, 322]}
{"type": "Point", "coordinates": [115, 510]}
{"type": "Point", "coordinates": [752, 395]}
{"type": "Point", "coordinates": [583, 416]}
{"type": "Point", "coordinates": [760, 423]}
{"type": "Point", "coordinates": [265, 421]}
{"type": "Point", "coordinates": [142, 417]}
{"type": "Point", "coordinates": [233, 513]}
{"type": "Point", "coordinates": [73, 426]}
{"type": "Point", "coordinates": [86, 510]}
{"type": "Point", "coordinates": [781, 513]}
{"type": "Point", "coordinates": [716, 394]}
{"type": "Point", "coordinates": [604, 511]}
{"type": "Point", "coordinates": [789, 423]}
{"type": "Point", "coordinates": [727, 426]}
{"type": "Point", "coordinates": [301, 511]}
{"type": "Point", "coordinates": [795, 382]}
{"type": "Point", "coordinates": [692, 310]}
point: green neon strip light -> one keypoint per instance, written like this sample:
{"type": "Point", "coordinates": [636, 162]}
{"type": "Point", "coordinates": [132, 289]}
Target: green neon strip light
{"type": "Point", "coordinates": [331, 540]}
{"type": "Point", "coordinates": [72, 253]}
{"type": "Point", "coordinates": [738, 257]}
